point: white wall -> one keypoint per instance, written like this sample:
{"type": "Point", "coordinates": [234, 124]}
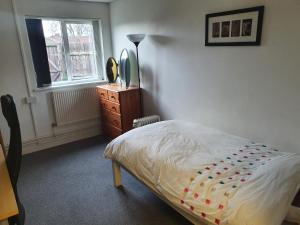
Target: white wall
{"type": "Point", "coordinates": [12, 79]}
{"type": "Point", "coordinates": [249, 91]}
{"type": "Point", "coordinates": [12, 73]}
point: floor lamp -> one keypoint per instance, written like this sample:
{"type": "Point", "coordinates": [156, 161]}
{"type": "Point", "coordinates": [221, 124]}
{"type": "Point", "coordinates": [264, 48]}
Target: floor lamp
{"type": "Point", "coordinates": [137, 39]}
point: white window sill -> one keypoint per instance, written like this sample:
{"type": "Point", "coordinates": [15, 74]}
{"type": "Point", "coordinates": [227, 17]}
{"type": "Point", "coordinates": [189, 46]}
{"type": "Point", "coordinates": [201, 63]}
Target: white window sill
{"type": "Point", "coordinates": [70, 86]}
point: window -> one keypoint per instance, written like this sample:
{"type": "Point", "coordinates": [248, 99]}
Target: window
{"type": "Point", "coordinates": [72, 49]}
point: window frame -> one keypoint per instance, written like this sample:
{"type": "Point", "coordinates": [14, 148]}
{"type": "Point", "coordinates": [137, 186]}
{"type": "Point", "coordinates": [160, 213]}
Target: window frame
{"type": "Point", "coordinates": [99, 57]}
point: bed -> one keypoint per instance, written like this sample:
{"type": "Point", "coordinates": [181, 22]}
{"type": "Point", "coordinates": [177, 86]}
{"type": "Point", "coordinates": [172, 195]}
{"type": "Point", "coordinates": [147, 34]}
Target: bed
{"type": "Point", "coordinates": [209, 176]}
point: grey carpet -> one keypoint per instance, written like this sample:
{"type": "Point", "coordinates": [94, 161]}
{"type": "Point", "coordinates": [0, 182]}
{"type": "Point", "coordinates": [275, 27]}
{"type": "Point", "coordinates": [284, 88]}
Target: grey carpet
{"type": "Point", "coordinates": [72, 185]}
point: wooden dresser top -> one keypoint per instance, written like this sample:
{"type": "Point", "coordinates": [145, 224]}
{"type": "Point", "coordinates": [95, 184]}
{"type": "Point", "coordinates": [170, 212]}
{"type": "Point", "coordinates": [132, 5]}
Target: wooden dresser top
{"type": "Point", "coordinates": [8, 205]}
{"type": "Point", "coordinates": [116, 87]}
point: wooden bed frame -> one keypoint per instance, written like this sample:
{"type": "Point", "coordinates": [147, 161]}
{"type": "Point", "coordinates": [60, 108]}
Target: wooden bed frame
{"type": "Point", "coordinates": [292, 216]}
{"type": "Point", "coordinates": [117, 183]}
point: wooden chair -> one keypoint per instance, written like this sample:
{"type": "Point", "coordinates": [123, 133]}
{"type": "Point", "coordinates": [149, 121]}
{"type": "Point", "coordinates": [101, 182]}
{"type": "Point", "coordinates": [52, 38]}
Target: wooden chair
{"type": "Point", "coordinates": [14, 154]}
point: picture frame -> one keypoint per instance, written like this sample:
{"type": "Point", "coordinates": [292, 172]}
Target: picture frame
{"type": "Point", "coordinates": [242, 27]}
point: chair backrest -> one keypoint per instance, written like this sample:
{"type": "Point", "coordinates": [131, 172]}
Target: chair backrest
{"type": "Point", "coordinates": [14, 155]}
{"type": "Point", "coordinates": [2, 143]}
{"type": "Point", "coordinates": [296, 201]}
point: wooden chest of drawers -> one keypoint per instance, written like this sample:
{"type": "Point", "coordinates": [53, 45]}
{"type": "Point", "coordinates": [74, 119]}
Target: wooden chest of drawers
{"type": "Point", "coordinates": [119, 107]}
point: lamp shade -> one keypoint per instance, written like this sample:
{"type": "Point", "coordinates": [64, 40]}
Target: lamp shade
{"type": "Point", "coordinates": [136, 38]}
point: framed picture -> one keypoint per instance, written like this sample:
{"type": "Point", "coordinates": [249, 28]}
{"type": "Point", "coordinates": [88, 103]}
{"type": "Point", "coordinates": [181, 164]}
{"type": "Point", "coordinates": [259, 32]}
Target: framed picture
{"type": "Point", "coordinates": [234, 28]}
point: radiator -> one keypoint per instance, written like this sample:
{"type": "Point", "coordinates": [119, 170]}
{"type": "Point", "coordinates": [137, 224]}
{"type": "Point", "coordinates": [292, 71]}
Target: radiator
{"type": "Point", "coordinates": [73, 106]}
{"type": "Point", "coordinates": [145, 121]}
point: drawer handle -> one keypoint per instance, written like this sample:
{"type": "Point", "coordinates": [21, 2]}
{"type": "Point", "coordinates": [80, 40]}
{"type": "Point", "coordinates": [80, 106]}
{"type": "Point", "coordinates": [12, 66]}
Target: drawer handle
{"type": "Point", "coordinates": [114, 108]}
{"type": "Point", "coordinates": [113, 97]}
{"type": "Point", "coordinates": [102, 94]}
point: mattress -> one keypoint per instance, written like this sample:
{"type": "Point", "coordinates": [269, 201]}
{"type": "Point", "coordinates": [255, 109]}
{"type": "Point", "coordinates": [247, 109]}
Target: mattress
{"type": "Point", "coordinates": [217, 177]}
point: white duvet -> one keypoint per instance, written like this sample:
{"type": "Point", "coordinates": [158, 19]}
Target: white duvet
{"type": "Point", "coordinates": [219, 178]}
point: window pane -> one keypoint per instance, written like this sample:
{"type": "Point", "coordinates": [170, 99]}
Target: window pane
{"type": "Point", "coordinates": [55, 50]}
{"type": "Point", "coordinates": [82, 50]}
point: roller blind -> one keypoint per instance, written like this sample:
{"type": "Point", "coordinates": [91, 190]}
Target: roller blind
{"type": "Point", "coordinates": [39, 52]}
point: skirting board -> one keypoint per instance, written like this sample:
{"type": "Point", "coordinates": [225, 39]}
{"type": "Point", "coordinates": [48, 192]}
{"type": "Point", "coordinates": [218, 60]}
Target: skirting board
{"type": "Point", "coordinates": [49, 142]}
